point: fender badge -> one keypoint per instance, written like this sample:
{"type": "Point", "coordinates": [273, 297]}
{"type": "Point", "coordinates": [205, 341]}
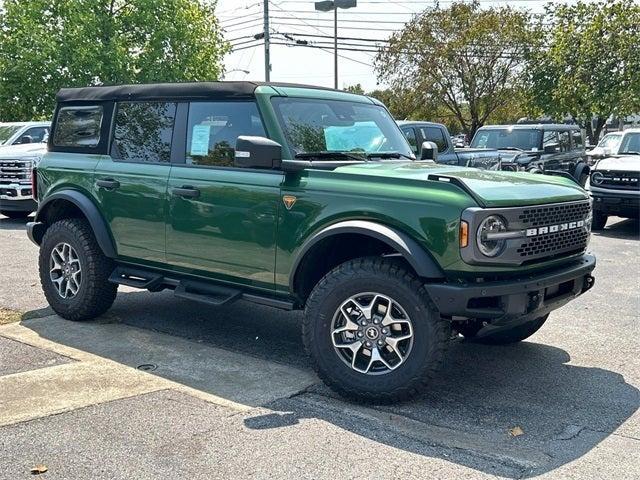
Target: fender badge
{"type": "Point", "coordinates": [288, 201]}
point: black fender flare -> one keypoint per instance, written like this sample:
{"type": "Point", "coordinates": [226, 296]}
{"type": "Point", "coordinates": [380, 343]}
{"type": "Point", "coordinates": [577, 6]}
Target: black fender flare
{"type": "Point", "coordinates": [89, 210]}
{"type": "Point", "coordinates": [419, 259]}
{"type": "Point", "coordinates": [581, 168]}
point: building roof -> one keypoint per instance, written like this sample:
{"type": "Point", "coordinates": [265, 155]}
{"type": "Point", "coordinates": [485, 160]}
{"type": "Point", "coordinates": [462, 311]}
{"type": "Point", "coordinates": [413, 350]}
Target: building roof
{"type": "Point", "coordinates": [155, 91]}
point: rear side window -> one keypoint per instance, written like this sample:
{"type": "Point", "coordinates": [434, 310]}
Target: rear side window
{"type": "Point", "coordinates": [410, 135]}
{"type": "Point", "coordinates": [78, 126]}
{"type": "Point", "coordinates": [214, 127]}
{"type": "Point", "coordinates": [435, 135]}
{"type": "Point", "coordinates": [143, 132]}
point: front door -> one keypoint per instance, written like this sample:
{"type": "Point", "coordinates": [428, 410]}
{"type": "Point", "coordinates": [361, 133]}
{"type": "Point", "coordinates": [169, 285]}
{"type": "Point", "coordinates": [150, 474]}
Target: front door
{"type": "Point", "coordinates": [131, 183]}
{"type": "Point", "coordinates": [222, 219]}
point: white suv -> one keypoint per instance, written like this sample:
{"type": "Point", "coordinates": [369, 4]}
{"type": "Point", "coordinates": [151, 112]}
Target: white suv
{"type": "Point", "coordinates": [16, 166]}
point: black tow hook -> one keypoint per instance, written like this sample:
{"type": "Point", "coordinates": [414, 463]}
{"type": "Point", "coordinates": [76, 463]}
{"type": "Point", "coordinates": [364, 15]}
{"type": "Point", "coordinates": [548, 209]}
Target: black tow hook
{"type": "Point", "coordinates": [589, 281]}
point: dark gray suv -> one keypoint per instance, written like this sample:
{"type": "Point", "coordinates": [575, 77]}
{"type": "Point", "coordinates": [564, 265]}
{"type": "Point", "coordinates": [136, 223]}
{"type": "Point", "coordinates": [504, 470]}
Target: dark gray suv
{"type": "Point", "coordinates": [537, 148]}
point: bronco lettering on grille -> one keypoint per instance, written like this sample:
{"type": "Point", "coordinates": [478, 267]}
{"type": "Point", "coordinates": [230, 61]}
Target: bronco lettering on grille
{"type": "Point", "coordinates": [532, 232]}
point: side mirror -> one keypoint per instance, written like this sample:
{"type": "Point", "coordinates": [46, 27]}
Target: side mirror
{"type": "Point", "coordinates": [552, 148]}
{"type": "Point", "coordinates": [257, 152]}
{"type": "Point", "coordinates": [25, 139]}
{"type": "Point", "coordinates": [429, 151]}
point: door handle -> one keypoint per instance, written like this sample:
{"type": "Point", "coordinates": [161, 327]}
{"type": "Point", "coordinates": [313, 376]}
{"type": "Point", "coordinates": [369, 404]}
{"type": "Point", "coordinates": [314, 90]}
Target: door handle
{"type": "Point", "coordinates": [186, 192]}
{"type": "Point", "coordinates": [108, 183]}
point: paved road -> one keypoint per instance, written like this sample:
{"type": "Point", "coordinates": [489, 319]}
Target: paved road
{"type": "Point", "coordinates": [231, 394]}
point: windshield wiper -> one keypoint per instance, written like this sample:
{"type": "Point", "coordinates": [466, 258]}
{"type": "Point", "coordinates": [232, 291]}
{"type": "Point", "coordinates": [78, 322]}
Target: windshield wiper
{"type": "Point", "coordinates": [512, 148]}
{"type": "Point", "coordinates": [326, 155]}
{"type": "Point", "coordinates": [632, 152]}
{"type": "Point", "coordinates": [389, 155]}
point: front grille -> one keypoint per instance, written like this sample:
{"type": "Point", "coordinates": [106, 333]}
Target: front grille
{"type": "Point", "coordinates": [554, 214]}
{"type": "Point", "coordinates": [619, 180]}
{"type": "Point", "coordinates": [15, 171]}
{"type": "Point", "coordinates": [555, 243]}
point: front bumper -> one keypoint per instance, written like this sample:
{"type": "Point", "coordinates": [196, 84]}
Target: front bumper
{"type": "Point", "coordinates": [15, 197]}
{"type": "Point", "coordinates": [621, 203]}
{"type": "Point", "coordinates": [520, 298]}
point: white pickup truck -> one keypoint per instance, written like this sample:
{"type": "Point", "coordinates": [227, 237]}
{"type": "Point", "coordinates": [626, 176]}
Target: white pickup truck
{"type": "Point", "coordinates": [16, 165]}
{"type": "Point", "coordinates": [17, 133]}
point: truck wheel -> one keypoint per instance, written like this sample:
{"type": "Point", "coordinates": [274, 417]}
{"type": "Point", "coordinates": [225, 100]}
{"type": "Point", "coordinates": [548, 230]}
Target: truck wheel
{"type": "Point", "coordinates": [74, 272]}
{"type": "Point", "coordinates": [599, 221]}
{"type": "Point", "coordinates": [514, 335]}
{"type": "Point", "coordinates": [14, 214]}
{"type": "Point", "coordinates": [372, 332]}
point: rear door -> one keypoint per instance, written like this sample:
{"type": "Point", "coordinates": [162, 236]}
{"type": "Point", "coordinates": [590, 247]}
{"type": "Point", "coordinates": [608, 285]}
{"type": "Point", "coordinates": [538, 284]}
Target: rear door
{"type": "Point", "coordinates": [222, 219]}
{"type": "Point", "coordinates": [131, 183]}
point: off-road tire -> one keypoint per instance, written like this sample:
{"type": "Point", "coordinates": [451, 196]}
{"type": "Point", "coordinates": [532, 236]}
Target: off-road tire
{"type": "Point", "coordinates": [599, 221]}
{"type": "Point", "coordinates": [15, 215]}
{"type": "Point", "coordinates": [431, 333]}
{"type": "Point", "coordinates": [95, 294]}
{"type": "Point", "coordinates": [583, 179]}
{"type": "Point", "coordinates": [514, 335]}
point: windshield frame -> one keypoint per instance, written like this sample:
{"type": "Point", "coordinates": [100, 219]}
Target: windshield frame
{"type": "Point", "coordinates": [367, 155]}
{"type": "Point", "coordinates": [535, 148]}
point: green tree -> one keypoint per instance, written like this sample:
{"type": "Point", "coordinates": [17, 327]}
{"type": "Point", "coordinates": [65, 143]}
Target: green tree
{"type": "Point", "coordinates": [464, 58]}
{"type": "Point", "coordinates": [586, 62]}
{"type": "Point", "coordinates": [49, 44]}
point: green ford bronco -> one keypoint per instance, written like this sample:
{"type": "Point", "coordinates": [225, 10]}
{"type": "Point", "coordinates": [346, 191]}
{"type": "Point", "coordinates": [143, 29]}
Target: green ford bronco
{"type": "Point", "coordinates": [301, 198]}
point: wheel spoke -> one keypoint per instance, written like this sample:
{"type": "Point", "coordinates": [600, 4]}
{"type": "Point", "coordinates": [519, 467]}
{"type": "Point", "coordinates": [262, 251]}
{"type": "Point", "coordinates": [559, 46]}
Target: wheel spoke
{"type": "Point", "coordinates": [65, 270]}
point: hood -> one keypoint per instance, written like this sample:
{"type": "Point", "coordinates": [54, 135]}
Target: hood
{"type": "Point", "coordinates": [488, 188]}
{"type": "Point", "coordinates": [23, 150]}
{"type": "Point", "coordinates": [508, 156]}
{"type": "Point", "coordinates": [627, 163]}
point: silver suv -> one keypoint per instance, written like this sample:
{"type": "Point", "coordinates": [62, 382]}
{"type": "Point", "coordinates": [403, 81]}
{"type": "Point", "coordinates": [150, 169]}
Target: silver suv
{"type": "Point", "coordinates": [15, 133]}
{"type": "Point", "coordinates": [16, 167]}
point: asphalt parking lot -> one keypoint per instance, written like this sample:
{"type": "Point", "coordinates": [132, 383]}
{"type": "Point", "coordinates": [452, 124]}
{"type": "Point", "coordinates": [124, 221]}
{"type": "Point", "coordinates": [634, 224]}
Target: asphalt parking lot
{"type": "Point", "coordinates": [163, 388]}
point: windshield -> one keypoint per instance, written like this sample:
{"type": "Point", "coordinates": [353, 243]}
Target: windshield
{"type": "Point", "coordinates": [314, 126]}
{"type": "Point", "coordinates": [507, 138]}
{"type": "Point", "coordinates": [610, 141]}
{"type": "Point", "coordinates": [7, 131]}
{"type": "Point", "coordinates": [630, 143]}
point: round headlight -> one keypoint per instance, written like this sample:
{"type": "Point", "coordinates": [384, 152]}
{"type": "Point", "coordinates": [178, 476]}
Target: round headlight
{"type": "Point", "coordinates": [597, 178]}
{"type": "Point", "coordinates": [487, 246]}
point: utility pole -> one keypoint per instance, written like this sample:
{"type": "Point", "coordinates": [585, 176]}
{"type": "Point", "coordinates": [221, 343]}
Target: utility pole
{"type": "Point", "coordinates": [267, 53]}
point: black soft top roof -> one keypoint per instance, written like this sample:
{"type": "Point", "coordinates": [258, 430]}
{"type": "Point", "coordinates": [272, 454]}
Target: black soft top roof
{"type": "Point", "coordinates": [157, 91]}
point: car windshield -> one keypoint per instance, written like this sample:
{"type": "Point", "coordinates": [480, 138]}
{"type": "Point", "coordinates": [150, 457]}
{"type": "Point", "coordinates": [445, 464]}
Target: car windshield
{"type": "Point", "coordinates": [332, 126]}
{"type": "Point", "coordinates": [7, 131]}
{"type": "Point", "coordinates": [630, 144]}
{"type": "Point", "coordinates": [507, 139]}
{"type": "Point", "coordinates": [610, 141]}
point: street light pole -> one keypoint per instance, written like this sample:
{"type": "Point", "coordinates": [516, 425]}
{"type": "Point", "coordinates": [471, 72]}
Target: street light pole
{"type": "Point", "coordinates": [335, 48]}
{"type": "Point", "coordinates": [267, 46]}
{"type": "Point", "coordinates": [327, 6]}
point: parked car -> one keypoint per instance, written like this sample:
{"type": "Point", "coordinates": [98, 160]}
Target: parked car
{"type": "Point", "coordinates": [615, 182]}
{"type": "Point", "coordinates": [537, 148]}
{"type": "Point", "coordinates": [14, 133]}
{"type": "Point", "coordinates": [301, 198]}
{"type": "Point", "coordinates": [614, 143]}
{"type": "Point", "coordinates": [16, 164]}
{"type": "Point", "coordinates": [418, 132]}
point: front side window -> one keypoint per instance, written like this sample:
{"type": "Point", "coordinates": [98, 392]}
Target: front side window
{"type": "Point", "coordinates": [7, 131]}
{"type": "Point", "coordinates": [578, 142]}
{"type": "Point", "coordinates": [550, 140]}
{"type": "Point", "coordinates": [507, 139]}
{"type": "Point", "coordinates": [326, 126]}
{"type": "Point", "coordinates": [214, 127]}
{"type": "Point", "coordinates": [435, 135]}
{"type": "Point", "coordinates": [78, 126]}
{"type": "Point", "coordinates": [37, 134]}
{"type": "Point", "coordinates": [143, 132]}
{"type": "Point", "coordinates": [630, 144]}
{"type": "Point", "coordinates": [410, 135]}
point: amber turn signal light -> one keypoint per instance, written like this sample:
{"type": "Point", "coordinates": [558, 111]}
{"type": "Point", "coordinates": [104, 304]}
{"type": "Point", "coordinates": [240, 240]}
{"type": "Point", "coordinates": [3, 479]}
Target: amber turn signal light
{"type": "Point", "coordinates": [464, 234]}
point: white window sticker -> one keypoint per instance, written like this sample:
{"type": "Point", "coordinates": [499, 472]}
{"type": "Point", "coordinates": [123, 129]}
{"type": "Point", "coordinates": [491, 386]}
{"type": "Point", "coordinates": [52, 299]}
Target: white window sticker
{"type": "Point", "coordinates": [200, 140]}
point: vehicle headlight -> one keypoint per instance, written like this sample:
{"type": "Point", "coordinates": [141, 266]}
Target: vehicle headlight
{"type": "Point", "coordinates": [488, 246]}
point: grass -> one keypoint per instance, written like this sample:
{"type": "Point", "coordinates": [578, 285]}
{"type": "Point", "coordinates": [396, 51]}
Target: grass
{"type": "Point", "coordinates": [9, 316]}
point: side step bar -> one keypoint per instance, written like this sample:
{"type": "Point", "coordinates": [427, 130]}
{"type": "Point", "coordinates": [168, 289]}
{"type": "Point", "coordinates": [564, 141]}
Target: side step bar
{"type": "Point", "coordinates": [199, 291]}
{"type": "Point", "coordinates": [213, 295]}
